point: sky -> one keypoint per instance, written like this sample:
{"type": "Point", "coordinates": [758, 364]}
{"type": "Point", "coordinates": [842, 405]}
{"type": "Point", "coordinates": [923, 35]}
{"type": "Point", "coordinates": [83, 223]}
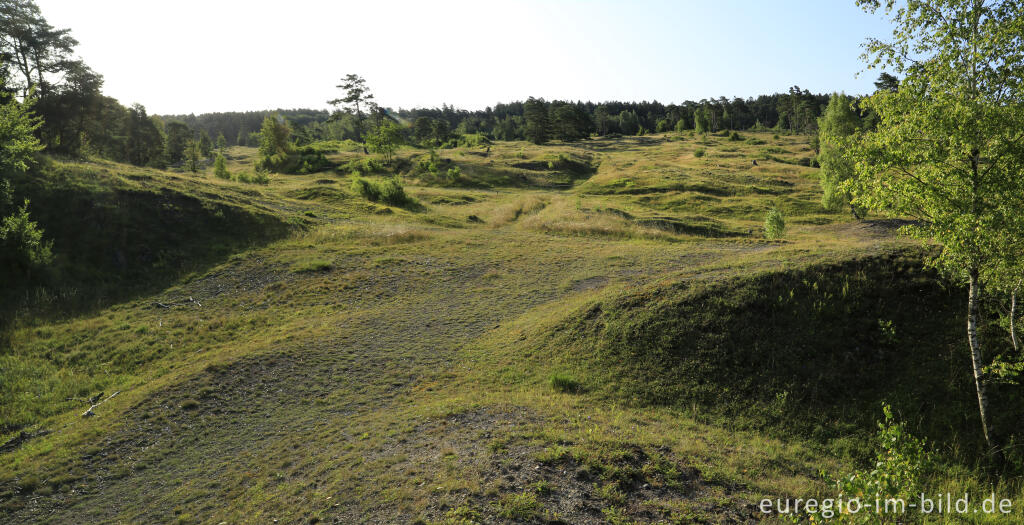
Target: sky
{"type": "Point", "coordinates": [191, 56]}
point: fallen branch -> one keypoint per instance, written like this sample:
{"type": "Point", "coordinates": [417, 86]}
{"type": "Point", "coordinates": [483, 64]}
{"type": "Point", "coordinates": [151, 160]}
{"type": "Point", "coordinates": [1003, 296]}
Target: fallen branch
{"type": "Point", "coordinates": [90, 413]}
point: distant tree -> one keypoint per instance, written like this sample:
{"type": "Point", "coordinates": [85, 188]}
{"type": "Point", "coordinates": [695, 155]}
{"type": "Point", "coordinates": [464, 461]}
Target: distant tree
{"type": "Point", "coordinates": [144, 144]}
{"type": "Point", "coordinates": [193, 155]}
{"type": "Point", "coordinates": [357, 96]}
{"type": "Point", "coordinates": [700, 120]}
{"type": "Point", "coordinates": [535, 111]}
{"type": "Point", "coordinates": [205, 144]}
{"type": "Point", "coordinates": [385, 140]}
{"type": "Point", "coordinates": [243, 138]}
{"type": "Point", "coordinates": [628, 123]}
{"type": "Point", "coordinates": [421, 129]}
{"type": "Point", "coordinates": [221, 142]}
{"type": "Point", "coordinates": [275, 136]}
{"type": "Point", "coordinates": [176, 138]}
{"type": "Point", "coordinates": [835, 128]}
{"type": "Point", "coordinates": [569, 123]}
{"type": "Point", "coordinates": [439, 130]}
{"type": "Point", "coordinates": [887, 82]}
{"type": "Point", "coordinates": [949, 146]}
{"type": "Point", "coordinates": [220, 168]}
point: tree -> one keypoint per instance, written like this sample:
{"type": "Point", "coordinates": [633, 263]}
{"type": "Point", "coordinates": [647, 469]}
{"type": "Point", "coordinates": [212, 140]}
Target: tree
{"type": "Point", "coordinates": [357, 96]}
{"type": "Point", "coordinates": [205, 144]}
{"type": "Point", "coordinates": [176, 138]}
{"type": "Point", "coordinates": [220, 169]}
{"type": "Point", "coordinates": [700, 120]}
{"type": "Point", "coordinates": [143, 142]}
{"type": "Point", "coordinates": [835, 128]}
{"type": "Point", "coordinates": [275, 136]}
{"type": "Point", "coordinates": [421, 129]}
{"type": "Point", "coordinates": [34, 47]}
{"type": "Point", "coordinates": [385, 140]}
{"type": "Point", "coordinates": [629, 123]}
{"type": "Point", "coordinates": [535, 111]}
{"type": "Point", "coordinates": [193, 155]}
{"type": "Point", "coordinates": [221, 142]}
{"type": "Point", "coordinates": [22, 247]}
{"type": "Point", "coordinates": [17, 140]}
{"type": "Point", "coordinates": [887, 82]}
{"type": "Point", "coordinates": [949, 145]}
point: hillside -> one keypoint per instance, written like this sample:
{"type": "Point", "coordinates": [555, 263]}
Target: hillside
{"type": "Point", "coordinates": [292, 352]}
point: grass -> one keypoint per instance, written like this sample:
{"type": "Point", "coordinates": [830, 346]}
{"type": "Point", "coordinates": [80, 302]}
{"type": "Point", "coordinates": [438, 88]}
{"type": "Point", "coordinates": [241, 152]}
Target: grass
{"type": "Point", "coordinates": [370, 362]}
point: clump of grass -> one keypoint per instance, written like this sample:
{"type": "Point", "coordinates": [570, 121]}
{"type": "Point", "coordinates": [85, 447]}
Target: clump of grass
{"type": "Point", "coordinates": [565, 383]}
{"type": "Point", "coordinates": [522, 506]}
{"type": "Point", "coordinates": [189, 404]}
{"type": "Point", "coordinates": [774, 224]}
{"type": "Point", "coordinates": [734, 136]}
{"type": "Point", "coordinates": [699, 152]}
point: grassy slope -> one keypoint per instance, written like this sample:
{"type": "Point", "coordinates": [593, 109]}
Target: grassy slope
{"type": "Point", "coordinates": [392, 364]}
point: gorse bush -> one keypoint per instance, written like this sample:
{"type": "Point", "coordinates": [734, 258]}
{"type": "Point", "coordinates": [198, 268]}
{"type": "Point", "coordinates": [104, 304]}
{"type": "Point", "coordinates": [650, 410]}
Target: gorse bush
{"type": "Point", "coordinates": [388, 191]}
{"type": "Point", "coordinates": [774, 224]}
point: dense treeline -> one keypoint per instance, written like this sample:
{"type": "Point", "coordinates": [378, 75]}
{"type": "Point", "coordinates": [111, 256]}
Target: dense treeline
{"type": "Point", "coordinates": [536, 119]}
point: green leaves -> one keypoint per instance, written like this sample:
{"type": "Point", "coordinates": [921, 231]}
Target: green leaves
{"type": "Point", "coordinates": [17, 140]}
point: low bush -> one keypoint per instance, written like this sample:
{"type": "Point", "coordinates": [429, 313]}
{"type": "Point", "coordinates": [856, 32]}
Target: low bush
{"type": "Point", "coordinates": [388, 191]}
{"type": "Point", "coordinates": [774, 224]}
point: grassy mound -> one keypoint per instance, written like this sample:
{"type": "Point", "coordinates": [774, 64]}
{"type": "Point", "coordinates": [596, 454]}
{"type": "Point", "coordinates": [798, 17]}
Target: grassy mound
{"type": "Point", "coordinates": [812, 351]}
{"type": "Point", "coordinates": [118, 230]}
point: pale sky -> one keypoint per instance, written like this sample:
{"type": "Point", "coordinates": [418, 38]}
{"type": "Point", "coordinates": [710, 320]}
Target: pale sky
{"type": "Point", "coordinates": [189, 56]}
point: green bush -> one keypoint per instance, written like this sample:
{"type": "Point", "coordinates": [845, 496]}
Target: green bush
{"type": "Point", "coordinates": [735, 136]}
{"type": "Point", "coordinates": [774, 224]}
{"type": "Point", "coordinates": [388, 191]}
{"type": "Point", "coordinates": [901, 464]}
{"type": "Point", "coordinates": [699, 152]}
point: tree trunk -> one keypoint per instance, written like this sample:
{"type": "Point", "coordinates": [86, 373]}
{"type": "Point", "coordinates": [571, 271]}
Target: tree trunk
{"type": "Point", "coordinates": [1013, 315]}
{"type": "Point", "coordinates": [980, 382]}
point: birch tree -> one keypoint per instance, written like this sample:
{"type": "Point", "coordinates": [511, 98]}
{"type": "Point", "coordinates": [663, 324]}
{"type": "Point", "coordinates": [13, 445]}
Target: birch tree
{"type": "Point", "coordinates": [948, 146]}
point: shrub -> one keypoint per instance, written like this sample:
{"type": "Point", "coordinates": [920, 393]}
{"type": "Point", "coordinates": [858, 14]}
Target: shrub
{"type": "Point", "coordinates": [774, 224]}
{"type": "Point", "coordinates": [699, 152]}
{"type": "Point", "coordinates": [258, 178]}
{"type": "Point", "coordinates": [901, 463]}
{"type": "Point", "coordinates": [388, 191]}
{"type": "Point", "coordinates": [735, 136]}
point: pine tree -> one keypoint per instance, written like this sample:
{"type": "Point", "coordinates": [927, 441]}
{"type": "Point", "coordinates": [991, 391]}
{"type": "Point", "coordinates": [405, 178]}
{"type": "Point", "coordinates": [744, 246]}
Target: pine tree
{"type": "Point", "coordinates": [537, 124]}
{"type": "Point", "coordinates": [220, 168]}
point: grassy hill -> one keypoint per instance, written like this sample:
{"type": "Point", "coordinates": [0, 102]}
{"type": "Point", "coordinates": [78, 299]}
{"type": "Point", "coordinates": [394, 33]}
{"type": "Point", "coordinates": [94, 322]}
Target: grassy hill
{"type": "Point", "coordinates": [594, 333]}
